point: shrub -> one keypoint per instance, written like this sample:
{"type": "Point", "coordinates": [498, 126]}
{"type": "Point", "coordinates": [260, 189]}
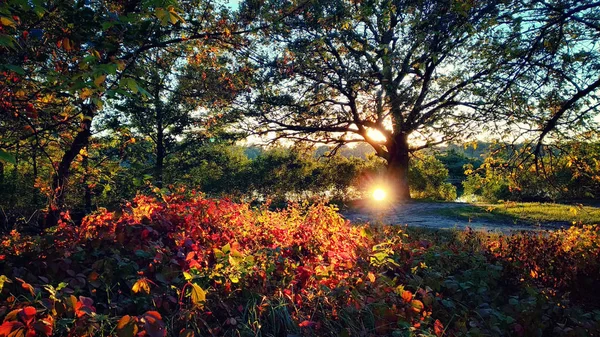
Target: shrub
{"type": "Point", "coordinates": [427, 177]}
{"type": "Point", "coordinates": [179, 264]}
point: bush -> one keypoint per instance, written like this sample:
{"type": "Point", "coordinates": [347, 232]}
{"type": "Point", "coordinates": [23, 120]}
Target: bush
{"type": "Point", "coordinates": [182, 265]}
{"type": "Point", "coordinates": [427, 178]}
{"type": "Point", "coordinates": [176, 263]}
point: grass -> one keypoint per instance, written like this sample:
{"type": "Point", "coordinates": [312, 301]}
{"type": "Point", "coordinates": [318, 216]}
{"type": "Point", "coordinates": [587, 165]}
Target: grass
{"type": "Point", "coordinates": [526, 213]}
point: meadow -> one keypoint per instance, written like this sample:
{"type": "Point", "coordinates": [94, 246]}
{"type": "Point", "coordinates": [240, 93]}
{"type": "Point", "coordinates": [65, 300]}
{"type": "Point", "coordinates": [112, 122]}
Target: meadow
{"type": "Point", "coordinates": [531, 213]}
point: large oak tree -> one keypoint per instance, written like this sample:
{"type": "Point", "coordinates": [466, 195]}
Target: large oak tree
{"type": "Point", "coordinates": [339, 69]}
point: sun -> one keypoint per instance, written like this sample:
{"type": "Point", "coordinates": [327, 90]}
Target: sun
{"type": "Point", "coordinates": [376, 135]}
{"type": "Point", "coordinates": [379, 194]}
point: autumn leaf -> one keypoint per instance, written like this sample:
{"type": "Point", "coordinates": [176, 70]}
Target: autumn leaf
{"type": "Point", "coordinates": [66, 44]}
{"type": "Point", "coordinates": [26, 286]}
{"type": "Point", "coordinates": [187, 333]}
{"type": "Point", "coordinates": [417, 306]}
{"type": "Point", "coordinates": [407, 296]}
{"type": "Point", "coordinates": [8, 22]}
{"type": "Point", "coordinates": [306, 324]}
{"type": "Point", "coordinates": [99, 80]}
{"type": "Point", "coordinates": [12, 329]}
{"type": "Point", "coordinates": [153, 324]}
{"type": "Point", "coordinates": [127, 326]}
{"type": "Point", "coordinates": [141, 285]}
{"type": "Point", "coordinates": [3, 278]}
{"type": "Point", "coordinates": [438, 328]}
{"type": "Point", "coordinates": [198, 294]}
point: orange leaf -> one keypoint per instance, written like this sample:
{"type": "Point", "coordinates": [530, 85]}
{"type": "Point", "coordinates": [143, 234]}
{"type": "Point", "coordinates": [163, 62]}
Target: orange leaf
{"type": "Point", "coordinates": [153, 324]}
{"type": "Point", "coordinates": [187, 333]}
{"type": "Point", "coordinates": [26, 286]}
{"type": "Point", "coordinates": [438, 328]}
{"type": "Point", "coordinates": [417, 305]}
{"type": "Point", "coordinates": [306, 323]}
{"type": "Point", "coordinates": [127, 326]}
{"type": "Point", "coordinates": [407, 296]}
{"type": "Point", "coordinates": [141, 285]}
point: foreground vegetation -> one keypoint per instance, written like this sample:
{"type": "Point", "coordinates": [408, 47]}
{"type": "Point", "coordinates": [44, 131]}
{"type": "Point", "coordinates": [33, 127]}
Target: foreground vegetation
{"type": "Point", "coordinates": [534, 213]}
{"type": "Point", "coordinates": [182, 265]}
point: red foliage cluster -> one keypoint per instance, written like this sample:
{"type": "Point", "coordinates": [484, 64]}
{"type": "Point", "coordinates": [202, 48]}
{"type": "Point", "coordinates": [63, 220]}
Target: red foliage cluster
{"type": "Point", "coordinates": [567, 261]}
{"type": "Point", "coordinates": [208, 265]}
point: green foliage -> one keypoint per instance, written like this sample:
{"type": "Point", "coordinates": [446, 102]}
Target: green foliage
{"type": "Point", "coordinates": [565, 171]}
{"type": "Point", "coordinates": [491, 186]}
{"type": "Point", "coordinates": [427, 177]}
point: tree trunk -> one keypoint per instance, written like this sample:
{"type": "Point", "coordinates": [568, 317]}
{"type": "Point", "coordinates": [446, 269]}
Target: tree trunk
{"type": "Point", "coordinates": [14, 179]}
{"type": "Point", "coordinates": [61, 177]}
{"type": "Point", "coordinates": [87, 196]}
{"type": "Point", "coordinates": [397, 168]}
{"type": "Point", "coordinates": [34, 190]}
{"type": "Point", "coordinates": [160, 145]}
{"type": "Point", "coordinates": [160, 158]}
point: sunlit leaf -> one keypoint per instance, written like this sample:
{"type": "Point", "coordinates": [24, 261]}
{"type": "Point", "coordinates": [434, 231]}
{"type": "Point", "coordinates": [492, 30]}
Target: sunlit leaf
{"type": "Point", "coordinates": [198, 295]}
{"type": "Point", "coordinates": [127, 326]}
{"type": "Point", "coordinates": [7, 22]}
{"type": "Point", "coordinates": [141, 285]}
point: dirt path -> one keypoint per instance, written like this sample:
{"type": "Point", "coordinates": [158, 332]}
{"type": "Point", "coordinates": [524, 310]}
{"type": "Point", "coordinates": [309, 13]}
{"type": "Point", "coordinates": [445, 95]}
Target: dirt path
{"type": "Point", "coordinates": [426, 214]}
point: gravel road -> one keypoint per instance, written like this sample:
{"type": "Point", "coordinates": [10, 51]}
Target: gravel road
{"type": "Point", "coordinates": [426, 214]}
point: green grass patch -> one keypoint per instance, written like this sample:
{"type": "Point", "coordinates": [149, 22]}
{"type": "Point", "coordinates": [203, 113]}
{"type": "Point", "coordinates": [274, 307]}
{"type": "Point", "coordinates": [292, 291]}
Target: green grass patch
{"type": "Point", "coordinates": [529, 213]}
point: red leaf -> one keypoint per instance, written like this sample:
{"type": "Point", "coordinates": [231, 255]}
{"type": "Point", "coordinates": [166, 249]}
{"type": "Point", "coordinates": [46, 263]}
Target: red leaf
{"type": "Point", "coordinates": [306, 324]}
{"type": "Point", "coordinates": [7, 327]}
{"type": "Point", "coordinates": [28, 314]}
{"type": "Point", "coordinates": [438, 328]}
{"type": "Point", "coordinates": [29, 311]}
{"type": "Point", "coordinates": [153, 324]}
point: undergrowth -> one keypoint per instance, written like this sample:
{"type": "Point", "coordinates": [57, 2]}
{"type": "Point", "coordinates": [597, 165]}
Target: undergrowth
{"type": "Point", "coordinates": [182, 265]}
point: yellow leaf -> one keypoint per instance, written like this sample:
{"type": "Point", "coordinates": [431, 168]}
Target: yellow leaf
{"type": "Point", "coordinates": [198, 295]}
{"type": "Point", "coordinates": [371, 277]}
{"type": "Point", "coordinates": [99, 80]}
{"type": "Point", "coordinates": [85, 93]}
{"type": "Point", "coordinates": [172, 18]}
{"type": "Point", "coordinates": [186, 275]}
{"type": "Point", "coordinates": [127, 327]}
{"type": "Point", "coordinates": [141, 285]}
{"type": "Point", "coordinates": [177, 16]}
{"type": "Point", "coordinates": [7, 22]}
